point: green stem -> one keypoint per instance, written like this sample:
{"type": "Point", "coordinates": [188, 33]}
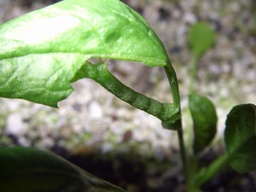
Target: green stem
{"type": "Point", "coordinates": [173, 81]}
{"type": "Point", "coordinates": [183, 152]}
{"type": "Point", "coordinates": [193, 169]}
{"type": "Point", "coordinates": [166, 112]}
{"type": "Point", "coordinates": [215, 167]}
{"type": "Point", "coordinates": [172, 78]}
{"type": "Point", "coordinates": [193, 72]}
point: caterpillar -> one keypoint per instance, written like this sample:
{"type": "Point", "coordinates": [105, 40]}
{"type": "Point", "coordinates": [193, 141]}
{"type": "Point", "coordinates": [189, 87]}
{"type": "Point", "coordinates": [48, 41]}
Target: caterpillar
{"type": "Point", "coordinates": [166, 112]}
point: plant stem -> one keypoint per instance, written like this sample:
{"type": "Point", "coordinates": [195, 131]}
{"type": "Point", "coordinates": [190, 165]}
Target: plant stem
{"type": "Point", "coordinates": [183, 152]}
{"type": "Point", "coordinates": [173, 81]}
{"type": "Point", "coordinates": [172, 78]}
{"type": "Point", "coordinates": [215, 167]}
{"type": "Point", "coordinates": [193, 73]}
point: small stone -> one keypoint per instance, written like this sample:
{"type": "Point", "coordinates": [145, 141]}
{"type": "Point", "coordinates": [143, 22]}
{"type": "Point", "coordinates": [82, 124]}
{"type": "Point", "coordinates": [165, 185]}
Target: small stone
{"type": "Point", "coordinates": [95, 110]}
{"type": "Point", "coordinates": [15, 125]}
{"type": "Point", "coordinates": [24, 141]}
{"type": "Point", "coordinates": [106, 148]}
{"type": "Point", "coordinates": [189, 18]}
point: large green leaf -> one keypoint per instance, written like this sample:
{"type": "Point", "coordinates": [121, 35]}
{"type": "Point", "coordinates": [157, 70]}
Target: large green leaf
{"type": "Point", "coordinates": [240, 137]}
{"type": "Point", "coordinates": [205, 121]}
{"type": "Point", "coordinates": [30, 170]}
{"type": "Point", "coordinates": [41, 52]}
{"type": "Point", "coordinates": [201, 37]}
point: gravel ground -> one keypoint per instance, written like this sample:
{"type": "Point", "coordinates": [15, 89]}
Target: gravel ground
{"type": "Point", "coordinates": [93, 117]}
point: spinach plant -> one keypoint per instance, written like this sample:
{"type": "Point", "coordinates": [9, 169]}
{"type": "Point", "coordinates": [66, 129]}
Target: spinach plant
{"type": "Point", "coordinates": [44, 51]}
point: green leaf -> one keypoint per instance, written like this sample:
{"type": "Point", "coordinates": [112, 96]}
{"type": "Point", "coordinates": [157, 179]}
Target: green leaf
{"type": "Point", "coordinates": [240, 137]}
{"type": "Point", "coordinates": [28, 169]}
{"type": "Point", "coordinates": [41, 52]}
{"type": "Point", "coordinates": [205, 121]}
{"type": "Point", "coordinates": [201, 37]}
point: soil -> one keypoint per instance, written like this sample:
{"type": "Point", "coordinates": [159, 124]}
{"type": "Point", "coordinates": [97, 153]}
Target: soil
{"type": "Point", "coordinates": [136, 173]}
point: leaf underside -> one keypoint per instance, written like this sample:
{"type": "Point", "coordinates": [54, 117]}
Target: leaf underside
{"type": "Point", "coordinates": [28, 169]}
{"type": "Point", "coordinates": [240, 137]}
{"type": "Point", "coordinates": [41, 52]}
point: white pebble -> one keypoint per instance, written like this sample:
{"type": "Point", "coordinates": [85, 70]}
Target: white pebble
{"type": "Point", "coordinates": [95, 110]}
{"type": "Point", "coordinates": [15, 125]}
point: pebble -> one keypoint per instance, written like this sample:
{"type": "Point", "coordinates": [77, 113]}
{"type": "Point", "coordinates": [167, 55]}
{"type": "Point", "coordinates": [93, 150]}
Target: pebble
{"type": "Point", "coordinates": [95, 110]}
{"type": "Point", "coordinates": [15, 125]}
{"type": "Point", "coordinates": [189, 18]}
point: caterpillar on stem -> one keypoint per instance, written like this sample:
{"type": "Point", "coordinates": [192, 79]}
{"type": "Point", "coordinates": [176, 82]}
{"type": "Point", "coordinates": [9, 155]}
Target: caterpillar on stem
{"type": "Point", "coordinates": [166, 112]}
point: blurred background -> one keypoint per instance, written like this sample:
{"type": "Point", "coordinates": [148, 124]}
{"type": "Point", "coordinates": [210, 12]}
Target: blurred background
{"type": "Point", "coordinates": [111, 139]}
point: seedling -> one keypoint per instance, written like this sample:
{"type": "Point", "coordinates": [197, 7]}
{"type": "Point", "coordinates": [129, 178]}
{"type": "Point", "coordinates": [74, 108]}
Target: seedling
{"type": "Point", "coordinates": [42, 52]}
{"type": "Point", "coordinates": [200, 37]}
